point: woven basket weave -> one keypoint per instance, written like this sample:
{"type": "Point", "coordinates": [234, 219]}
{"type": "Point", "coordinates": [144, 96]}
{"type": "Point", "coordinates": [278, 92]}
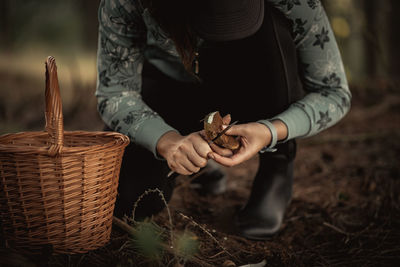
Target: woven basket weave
{"type": "Point", "coordinates": [58, 188]}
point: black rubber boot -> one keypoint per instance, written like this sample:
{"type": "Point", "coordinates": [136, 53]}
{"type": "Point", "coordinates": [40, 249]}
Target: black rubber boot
{"type": "Point", "coordinates": [271, 193]}
{"type": "Point", "coordinates": [211, 182]}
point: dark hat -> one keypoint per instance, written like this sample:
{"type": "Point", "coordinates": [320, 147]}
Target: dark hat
{"type": "Point", "coordinates": [225, 20]}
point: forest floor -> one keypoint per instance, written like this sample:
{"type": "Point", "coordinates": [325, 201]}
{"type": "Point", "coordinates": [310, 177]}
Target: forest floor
{"type": "Point", "coordinates": [345, 209]}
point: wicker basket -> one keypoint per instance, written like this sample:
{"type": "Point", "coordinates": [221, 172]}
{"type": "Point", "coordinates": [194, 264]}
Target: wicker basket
{"type": "Point", "coordinates": [58, 188]}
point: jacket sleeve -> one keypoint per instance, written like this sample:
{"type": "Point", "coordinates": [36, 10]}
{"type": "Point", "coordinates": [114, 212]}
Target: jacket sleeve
{"type": "Point", "coordinates": [328, 96]}
{"type": "Point", "coordinates": [122, 36]}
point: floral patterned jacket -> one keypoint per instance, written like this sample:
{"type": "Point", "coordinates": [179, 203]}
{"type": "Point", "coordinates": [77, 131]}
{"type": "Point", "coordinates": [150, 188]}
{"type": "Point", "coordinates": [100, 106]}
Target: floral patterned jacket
{"type": "Point", "coordinates": [128, 34]}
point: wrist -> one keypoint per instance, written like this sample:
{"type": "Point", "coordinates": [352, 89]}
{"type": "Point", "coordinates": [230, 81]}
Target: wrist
{"type": "Point", "coordinates": [265, 133]}
{"type": "Point", "coordinates": [166, 141]}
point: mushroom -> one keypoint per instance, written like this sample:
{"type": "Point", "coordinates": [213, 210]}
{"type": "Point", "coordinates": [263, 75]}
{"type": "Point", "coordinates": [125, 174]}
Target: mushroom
{"type": "Point", "coordinates": [213, 125]}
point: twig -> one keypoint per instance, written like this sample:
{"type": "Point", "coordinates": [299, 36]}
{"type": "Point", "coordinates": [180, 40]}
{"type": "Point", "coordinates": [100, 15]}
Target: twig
{"type": "Point", "coordinates": [160, 193]}
{"type": "Point", "coordinates": [389, 251]}
{"type": "Point", "coordinates": [260, 264]}
{"type": "Point", "coordinates": [336, 229]}
{"type": "Point", "coordinates": [207, 232]}
{"type": "Point", "coordinates": [123, 246]}
{"type": "Point", "coordinates": [124, 226]}
{"type": "Point", "coordinates": [219, 253]}
{"type": "Point", "coordinates": [295, 218]}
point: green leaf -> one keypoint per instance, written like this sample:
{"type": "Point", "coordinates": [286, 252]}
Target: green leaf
{"type": "Point", "coordinates": [148, 240]}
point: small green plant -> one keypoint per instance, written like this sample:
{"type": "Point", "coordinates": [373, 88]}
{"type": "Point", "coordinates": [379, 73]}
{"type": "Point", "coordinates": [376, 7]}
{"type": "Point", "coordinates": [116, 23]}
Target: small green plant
{"type": "Point", "coordinates": [154, 242]}
{"type": "Point", "coordinates": [147, 240]}
{"type": "Point", "coordinates": [186, 245]}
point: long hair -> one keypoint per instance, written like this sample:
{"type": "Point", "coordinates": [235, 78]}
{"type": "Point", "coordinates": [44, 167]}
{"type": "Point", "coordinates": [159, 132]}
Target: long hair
{"type": "Point", "coordinates": [172, 16]}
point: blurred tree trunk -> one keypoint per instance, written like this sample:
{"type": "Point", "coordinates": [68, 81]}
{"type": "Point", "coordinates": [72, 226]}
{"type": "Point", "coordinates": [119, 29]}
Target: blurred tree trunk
{"type": "Point", "coordinates": [394, 40]}
{"type": "Point", "coordinates": [371, 51]}
{"type": "Point", "coordinates": [378, 34]}
{"type": "Point", "coordinates": [382, 39]}
{"type": "Point", "coordinates": [4, 24]}
{"type": "Point", "coordinates": [88, 9]}
{"type": "Point", "coordinates": [370, 33]}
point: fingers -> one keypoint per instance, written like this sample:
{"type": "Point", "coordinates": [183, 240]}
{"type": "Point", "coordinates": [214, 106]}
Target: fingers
{"type": "Point", "coordinates": [180, 169]}
{"type": "Point", "coordinates": [191, 155]}
{"type": "Point", "coordinates": [183, 165]}
{"type": "Point", "coordinates": [225, 152]}
{"type": "Point", "coordinates": [252, 139]}
{"type": "Point", "coordinates": [188, 165]}
{"type": "Point", "coordinates": [239, 157]}
{"type": "Point", "coordinates": [220, 150]}
{"type": "Point", "coordinates": [197, 160]}
{"type": "Point", "coordinates": [200, 144]}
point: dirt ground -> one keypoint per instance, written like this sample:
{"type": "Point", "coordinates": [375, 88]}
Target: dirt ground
{"type": "Point", "coordinates": [345, 209]}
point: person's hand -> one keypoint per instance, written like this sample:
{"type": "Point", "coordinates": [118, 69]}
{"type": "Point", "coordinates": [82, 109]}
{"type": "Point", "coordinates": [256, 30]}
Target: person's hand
{"type": "Point", "coordinates": [184, 154]}
{"type": "Point", "coordinates": [253, 137]}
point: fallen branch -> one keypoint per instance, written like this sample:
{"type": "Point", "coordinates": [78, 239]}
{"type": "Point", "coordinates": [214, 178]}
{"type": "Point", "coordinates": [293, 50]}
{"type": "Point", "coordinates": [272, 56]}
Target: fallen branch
{"type": "Point", "coordinates": [124, 226]}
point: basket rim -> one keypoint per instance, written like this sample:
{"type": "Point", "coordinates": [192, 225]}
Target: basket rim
{"type": "Point", "coordinates": [116, 140]}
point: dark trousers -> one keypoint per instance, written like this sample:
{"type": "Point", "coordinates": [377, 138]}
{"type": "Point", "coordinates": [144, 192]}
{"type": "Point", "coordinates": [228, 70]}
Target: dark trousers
{"type": "Point", "coordinates": [252, 78]}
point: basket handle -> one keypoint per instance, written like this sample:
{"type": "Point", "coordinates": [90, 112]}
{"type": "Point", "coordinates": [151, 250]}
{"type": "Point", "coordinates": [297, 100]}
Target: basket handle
{"type": "Point", "coordinates": [54, 117]}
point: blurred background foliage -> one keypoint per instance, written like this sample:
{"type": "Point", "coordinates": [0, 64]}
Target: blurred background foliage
{"type": "Point", "coordinates": [29, 32]}
{"type": "Point", "coordinates": [366, 31]}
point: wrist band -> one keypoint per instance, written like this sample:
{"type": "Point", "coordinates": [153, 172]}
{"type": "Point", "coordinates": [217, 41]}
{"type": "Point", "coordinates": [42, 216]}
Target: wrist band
{"type": "Point", "coordinates": [274, 137]}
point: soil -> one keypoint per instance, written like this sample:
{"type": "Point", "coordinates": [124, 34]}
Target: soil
{"type": "Point", "coordinates": [345, 209]}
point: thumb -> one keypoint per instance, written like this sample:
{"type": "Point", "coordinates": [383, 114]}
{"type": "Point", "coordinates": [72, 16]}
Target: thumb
{"type": "Point", "coordinates": [235, 130]}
